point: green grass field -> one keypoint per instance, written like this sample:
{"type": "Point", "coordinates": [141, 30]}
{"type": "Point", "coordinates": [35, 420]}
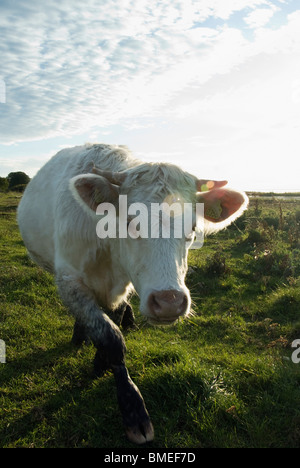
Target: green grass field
{"type": "Point", "coordinates": [222, 378]}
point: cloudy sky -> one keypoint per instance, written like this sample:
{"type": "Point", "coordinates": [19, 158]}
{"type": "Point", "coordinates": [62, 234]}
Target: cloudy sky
{"type": "Point", "coordinates": [211, 85]}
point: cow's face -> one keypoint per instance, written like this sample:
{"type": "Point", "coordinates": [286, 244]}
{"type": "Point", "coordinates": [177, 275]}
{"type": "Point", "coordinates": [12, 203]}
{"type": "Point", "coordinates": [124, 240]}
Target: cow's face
{"type": "Point", "coordinates": [157, 268]}
{"type": "Point", "coordinates": [152, 240]}
{"type": "Point", "coordinates": [154, 253]}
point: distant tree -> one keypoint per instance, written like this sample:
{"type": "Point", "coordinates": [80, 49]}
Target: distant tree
{"type": "Point", "coordinates": [17, 180]}
{"type": "Point", "coordinates": [3, 184]}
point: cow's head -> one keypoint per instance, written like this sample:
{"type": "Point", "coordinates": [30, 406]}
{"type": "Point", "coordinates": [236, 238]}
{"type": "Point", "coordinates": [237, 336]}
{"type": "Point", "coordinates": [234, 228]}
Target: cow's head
{"type": "Point", "coordinates": [157, 264]}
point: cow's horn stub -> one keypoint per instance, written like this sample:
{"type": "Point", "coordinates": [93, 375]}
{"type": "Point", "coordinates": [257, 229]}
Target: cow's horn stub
{"type": "Point", "coordinates": [116, 178]}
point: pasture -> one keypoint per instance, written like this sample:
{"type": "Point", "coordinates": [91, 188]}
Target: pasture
{"type": "Point", "coordinates": [222, 378]}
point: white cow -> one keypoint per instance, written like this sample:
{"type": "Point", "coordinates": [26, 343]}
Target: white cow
{"type": "Point", "coordinates": [95, 276]}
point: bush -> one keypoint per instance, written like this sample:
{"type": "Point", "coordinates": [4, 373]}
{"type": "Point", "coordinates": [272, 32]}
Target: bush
{"type": "Point", "coordinates": [3, 184]}
{"type": "Point", "coordinates": [274, 263]}
{"type": "Point", "coordinates": [216, 264]}
{"type": "Point", "coordinates": [255, 237]}
{"type": "Point", "coordinates": [272, 221]}
{"type": "Point", "coordinates": [16, 179]}
{"type": "Point", "coordinates": [19, 188]}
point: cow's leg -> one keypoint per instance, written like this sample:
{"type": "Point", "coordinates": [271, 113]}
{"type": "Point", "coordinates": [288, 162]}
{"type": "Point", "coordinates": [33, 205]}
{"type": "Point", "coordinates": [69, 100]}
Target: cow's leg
{"type": "Point", "coordinates": [123, 316]}
{"type": "Point", "coordinates": [116, 315]}
{"type": "Point", "coordinates": [110, 354]}
{"type": "Point", "coordinates": [80, 334]}
{"type": "Point", "coordinates": [128, 318]}
{"type": "Point", "coordinates": [136, 419]}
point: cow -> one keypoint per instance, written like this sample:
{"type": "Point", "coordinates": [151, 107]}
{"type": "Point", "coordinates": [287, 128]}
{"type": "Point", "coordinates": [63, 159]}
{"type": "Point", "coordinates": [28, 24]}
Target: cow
{"type": "Point", "coordinates": [95, 276]}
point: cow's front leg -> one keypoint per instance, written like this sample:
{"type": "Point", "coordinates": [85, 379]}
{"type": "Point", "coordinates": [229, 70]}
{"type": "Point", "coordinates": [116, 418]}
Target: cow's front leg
{"type": "Point", "coordinates": [136, 419]}
{"type": "Point", "coordinates": [123, 315]}
{"type": "Point", "coordinates": [80, 334]}
{"type": "Point", "coordinates": [110, 344]}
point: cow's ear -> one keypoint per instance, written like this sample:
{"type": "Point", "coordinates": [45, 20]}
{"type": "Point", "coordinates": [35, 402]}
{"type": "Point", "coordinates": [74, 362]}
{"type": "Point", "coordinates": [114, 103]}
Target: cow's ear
{"type": "Point", "coordinates": [90, 190]}
{"type": "Point", "coordinates": [221, 207]}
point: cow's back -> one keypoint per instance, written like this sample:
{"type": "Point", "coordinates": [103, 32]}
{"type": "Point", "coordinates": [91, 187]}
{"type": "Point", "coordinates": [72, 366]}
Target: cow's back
{"type": "Point", "coordinates": [36, 215]}
{"type": "Point", "coordinates": [48, 210]}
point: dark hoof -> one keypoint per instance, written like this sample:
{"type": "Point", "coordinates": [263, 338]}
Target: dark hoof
{"type": "Point", "coordinates": [141, 433]}
{"type": "Point", "coordinates": [136, 419]}
{"type": "Point", "coordinates": [128, 322]}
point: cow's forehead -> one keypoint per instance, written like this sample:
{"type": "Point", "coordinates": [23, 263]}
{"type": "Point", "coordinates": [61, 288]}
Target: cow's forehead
{"type": "Point", "coordinates": [156, 180]}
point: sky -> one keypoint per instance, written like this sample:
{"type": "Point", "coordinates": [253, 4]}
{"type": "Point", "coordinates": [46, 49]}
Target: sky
{"type": "Point", "coordinates": [210, 85]}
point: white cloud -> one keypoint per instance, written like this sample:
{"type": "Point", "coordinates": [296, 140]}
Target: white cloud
{"type": "Point", "coordinates": [70, 66]}
{"type": "Point", "coordinates": [223, 9]}
{"type": "Point", "coordinates": [29, 165]}
{"type": "Point", "coordinates": [259, 17]}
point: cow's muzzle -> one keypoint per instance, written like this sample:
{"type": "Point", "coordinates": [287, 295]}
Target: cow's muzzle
{"type": "Point", "coordinates": [167, 306]}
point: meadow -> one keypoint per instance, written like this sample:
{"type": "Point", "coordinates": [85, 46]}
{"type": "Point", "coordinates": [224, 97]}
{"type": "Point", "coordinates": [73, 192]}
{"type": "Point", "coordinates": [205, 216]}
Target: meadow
{"type": "Point", "coordinates": [224, 377]}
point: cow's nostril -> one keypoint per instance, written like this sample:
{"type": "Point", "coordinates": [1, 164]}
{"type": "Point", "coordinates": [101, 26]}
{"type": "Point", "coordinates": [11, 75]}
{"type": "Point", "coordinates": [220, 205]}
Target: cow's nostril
{"type": "Point", "coordinates": [154, 304]}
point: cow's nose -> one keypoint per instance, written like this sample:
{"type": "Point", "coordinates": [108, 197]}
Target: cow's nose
{"type": "Point", "coordinates": [167, 306]}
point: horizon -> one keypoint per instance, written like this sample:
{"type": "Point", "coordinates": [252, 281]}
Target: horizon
{"type": "Point", "coordinates": [212, 87]}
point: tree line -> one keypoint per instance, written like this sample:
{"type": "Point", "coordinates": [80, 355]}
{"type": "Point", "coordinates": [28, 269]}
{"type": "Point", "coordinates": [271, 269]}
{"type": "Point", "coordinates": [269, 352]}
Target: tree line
{"type": "Point", "coordinates": [16, 181]}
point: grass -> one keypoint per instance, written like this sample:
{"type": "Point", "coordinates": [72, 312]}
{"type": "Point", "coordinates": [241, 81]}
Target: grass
{"type": "Point", "coordinates": [221, 378]}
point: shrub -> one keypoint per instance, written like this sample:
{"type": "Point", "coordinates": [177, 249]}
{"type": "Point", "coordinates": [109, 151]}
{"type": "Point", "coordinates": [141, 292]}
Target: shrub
{"type": "Point", "coordinates": [216, 264]}
{"type": "Point", "coordinates": [17, 179]}
{"type": "Point", "coordinates": [3, 184]}
{"type": "Point", "coordinates": [19, 188]}
{"type": "Point", "coordinates": [277, 263]}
